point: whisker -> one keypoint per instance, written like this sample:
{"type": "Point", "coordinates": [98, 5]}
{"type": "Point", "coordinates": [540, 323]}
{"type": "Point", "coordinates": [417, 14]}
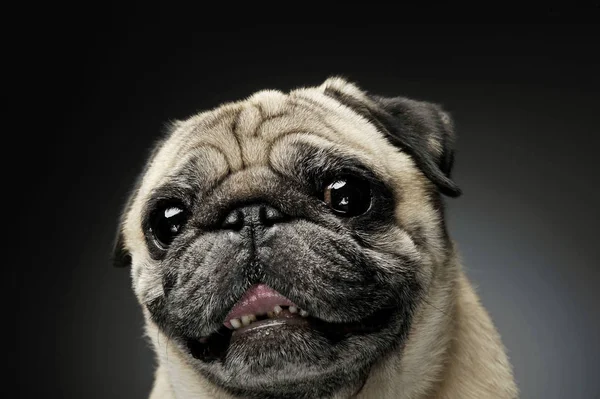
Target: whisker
{"type": "Point", "coordinates": [436, 308]}
{"type": "Point", "coordinates": [167, 346]}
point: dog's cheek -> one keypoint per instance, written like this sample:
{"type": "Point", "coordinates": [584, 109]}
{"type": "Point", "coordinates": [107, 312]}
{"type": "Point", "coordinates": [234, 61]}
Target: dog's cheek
{"type": "Point", "coordinates": [146, 277]}
{"type": "Point", "coordinates": [205, 279]}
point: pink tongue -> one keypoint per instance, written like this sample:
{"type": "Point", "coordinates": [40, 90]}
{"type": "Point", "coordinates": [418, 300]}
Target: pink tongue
{"type": "Point", "coordinates": [258, 300]}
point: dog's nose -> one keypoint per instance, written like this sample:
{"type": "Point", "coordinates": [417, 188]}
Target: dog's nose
{"type": "Point", "coordinates": [254, 215]}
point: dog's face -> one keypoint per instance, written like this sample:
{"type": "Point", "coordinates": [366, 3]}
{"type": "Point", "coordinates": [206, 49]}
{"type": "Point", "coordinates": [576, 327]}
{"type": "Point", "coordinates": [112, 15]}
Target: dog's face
{"type": "Point", "coordinates": [283, 243]}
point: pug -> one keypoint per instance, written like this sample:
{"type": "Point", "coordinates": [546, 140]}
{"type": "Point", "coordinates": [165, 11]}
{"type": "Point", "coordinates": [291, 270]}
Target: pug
{"type": "Point", "coordinates": [294, 245]}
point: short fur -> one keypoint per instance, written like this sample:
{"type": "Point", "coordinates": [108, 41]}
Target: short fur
{"type": "Point", "coordinates": [393, 272]}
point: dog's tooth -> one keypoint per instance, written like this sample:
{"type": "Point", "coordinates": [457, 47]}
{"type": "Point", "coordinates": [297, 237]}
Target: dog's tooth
{"type": "Point", "coordinates": [303, 313]}
{"type": "Point", "coordinates": [252, 318]}
{"type": "Point", "coordinates": [270, 314]}
{"type": "Point", "coordinates": [246, 320]}
{"type": "Point", "coordinates": [293, 309]}
{"type": "Point", "coordinates": [235, 323]}
{"type": "Point", "coordinates": [277, 309]}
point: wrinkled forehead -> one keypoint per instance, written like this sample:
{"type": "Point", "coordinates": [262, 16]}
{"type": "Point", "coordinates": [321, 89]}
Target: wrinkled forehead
{"type": "Point", "coordinates": [262, 131]}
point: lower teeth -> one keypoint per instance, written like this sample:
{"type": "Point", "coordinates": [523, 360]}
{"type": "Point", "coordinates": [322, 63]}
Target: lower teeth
{"type": "Point", "coordinates": [277, 310]}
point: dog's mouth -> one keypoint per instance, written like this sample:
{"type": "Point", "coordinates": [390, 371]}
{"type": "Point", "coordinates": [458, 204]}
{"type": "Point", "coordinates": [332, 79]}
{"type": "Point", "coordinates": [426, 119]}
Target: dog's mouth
{"type": "Point", "coordinates": [260, 307]}
{"type": "Point", "coordinates": [265, 314]}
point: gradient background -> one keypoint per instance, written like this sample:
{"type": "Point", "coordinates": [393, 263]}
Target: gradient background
{"type": "Point", "coordinates": [525, 100]}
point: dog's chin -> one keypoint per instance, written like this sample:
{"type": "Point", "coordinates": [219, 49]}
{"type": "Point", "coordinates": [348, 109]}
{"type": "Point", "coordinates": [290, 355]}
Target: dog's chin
{"type": "Point", "coordinates": [294, 354]}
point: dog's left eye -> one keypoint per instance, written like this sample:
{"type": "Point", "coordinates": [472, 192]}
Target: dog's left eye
{"type": "Point", "coordinates": [166, 223]}
{"type": "Point", "coordinates": [348, 196]}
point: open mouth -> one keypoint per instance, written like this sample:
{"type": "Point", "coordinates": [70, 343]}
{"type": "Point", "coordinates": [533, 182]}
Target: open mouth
{"type": "Point", "coordinates": [261, 307]}
{"type": "Point", "coordinates": [261, 310]}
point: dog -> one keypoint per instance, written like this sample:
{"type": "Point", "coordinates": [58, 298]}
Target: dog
{"type": "Point", "coordinates": [294, 245]}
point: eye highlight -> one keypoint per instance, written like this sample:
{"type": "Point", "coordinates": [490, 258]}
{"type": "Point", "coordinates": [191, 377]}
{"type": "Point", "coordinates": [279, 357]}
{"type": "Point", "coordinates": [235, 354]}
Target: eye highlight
{"type": "Point", "coordinates": [348, 195]}
{"type": "Point", "coordinates": [166, 222]}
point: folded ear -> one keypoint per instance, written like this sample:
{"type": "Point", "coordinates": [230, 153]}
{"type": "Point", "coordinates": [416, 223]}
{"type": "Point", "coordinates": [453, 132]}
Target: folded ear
{"type": "Point", "coordinates": [421, 129]}
{"type": "Point", "coordinates": [120, 255]}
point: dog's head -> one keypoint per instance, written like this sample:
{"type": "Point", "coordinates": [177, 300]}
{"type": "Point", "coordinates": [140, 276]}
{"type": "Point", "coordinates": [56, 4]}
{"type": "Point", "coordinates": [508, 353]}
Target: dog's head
{"type": "Point", "coordinates": [282, 243]}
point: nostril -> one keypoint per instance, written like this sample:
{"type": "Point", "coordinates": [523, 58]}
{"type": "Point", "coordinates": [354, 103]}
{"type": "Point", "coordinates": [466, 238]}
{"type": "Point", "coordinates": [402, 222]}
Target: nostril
{"type": "Point", "coordinates": [269, 215]}
{"type": "Point", "coordinates": [235, 220]}
{"type": "Point", "coordinates": [252, 215]}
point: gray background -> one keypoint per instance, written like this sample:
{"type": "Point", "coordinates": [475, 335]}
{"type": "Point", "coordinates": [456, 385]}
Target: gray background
{"type": "Point", "coordinates": [525, 101]}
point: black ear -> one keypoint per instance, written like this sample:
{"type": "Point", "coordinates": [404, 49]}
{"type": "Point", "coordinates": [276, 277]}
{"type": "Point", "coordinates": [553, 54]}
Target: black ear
{"type": "Point", "coordinates": [120, 255]}
{"type": "Point", "coordinates": [421, 129]}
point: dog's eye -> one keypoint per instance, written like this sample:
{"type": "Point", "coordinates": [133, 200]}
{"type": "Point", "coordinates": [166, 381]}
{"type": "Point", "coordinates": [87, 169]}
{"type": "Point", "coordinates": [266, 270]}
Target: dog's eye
{"type": "Point", "coordinates": [348, 196]}
{"type": "Point", "coordinates": [166, 222]}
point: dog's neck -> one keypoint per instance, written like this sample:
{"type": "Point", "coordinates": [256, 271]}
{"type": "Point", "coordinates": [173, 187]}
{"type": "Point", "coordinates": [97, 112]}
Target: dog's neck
{"type": "Point", "coordinates": [458, 354]}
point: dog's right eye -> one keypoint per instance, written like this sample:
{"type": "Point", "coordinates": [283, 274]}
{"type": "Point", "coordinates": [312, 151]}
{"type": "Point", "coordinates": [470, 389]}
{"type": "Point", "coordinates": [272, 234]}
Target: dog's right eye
{"type": "Point", "coordinates": [348, 196]}
{"type": "Point", "coordinates": [166, 223]}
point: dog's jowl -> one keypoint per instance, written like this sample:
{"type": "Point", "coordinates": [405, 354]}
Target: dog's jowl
{"type": "Point", "coordinates": [293, 245]}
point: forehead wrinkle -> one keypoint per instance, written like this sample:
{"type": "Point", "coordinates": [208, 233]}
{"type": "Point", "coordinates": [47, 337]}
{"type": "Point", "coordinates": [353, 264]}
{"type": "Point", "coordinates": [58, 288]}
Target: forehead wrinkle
{"type": "Point", "coordinates": [296, 117]}
{"type": "Point", "coordinates": [219, 135]}
{"type": "Point", "coordinates": [248, 121]}
{"type": "Point", "coordinates": [345, 122]}
{"type": "Point", "coordinates": [268, 106]}
{"type": "Point", "coordinates": [318, 143]}
{"type": "Point", "coordinates": [207, 164]}
{"type": "Point", "coordinates": [270, 103]}
{"type": "Point", "coordinates": [272, 129]}
{"type": "Point", "coordinates": [198, 128]}
{"type": "Point", "coordinates": [325, 118]}
{"type": "Point", "coordinates": [329, 137]}
{"type": "Point", "coordinates": [252, 148]}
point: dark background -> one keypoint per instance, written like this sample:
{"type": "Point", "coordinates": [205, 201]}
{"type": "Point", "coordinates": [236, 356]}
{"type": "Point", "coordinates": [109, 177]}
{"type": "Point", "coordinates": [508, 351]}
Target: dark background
{"type": "Point", "coordinates": [525, 99]}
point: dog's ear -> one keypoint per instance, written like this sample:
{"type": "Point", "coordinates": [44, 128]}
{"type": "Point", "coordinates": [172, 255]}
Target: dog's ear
{"type": "Point", "coordinates": [421, 129]}
{"type": "Point", "coordinates": [121, 257]}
